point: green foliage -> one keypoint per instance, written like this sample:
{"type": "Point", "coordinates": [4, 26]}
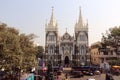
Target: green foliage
{"type": "Point", "coordinates": [109, 38]}
{"type": "Point", "coordinates": [115, 31]}
{"type": "Point", "coordinates": [114, 62]}
{"type": "Point", "coordinates": [17, 50]}
{"type": "Point", "coordinates": [50, 75]}
{"type": "Point", "coordinates": [40, 51]}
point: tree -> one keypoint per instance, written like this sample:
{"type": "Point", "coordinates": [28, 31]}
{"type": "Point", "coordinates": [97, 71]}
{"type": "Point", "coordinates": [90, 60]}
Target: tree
{"type": "Point", "coordinates": [9, 40]}
{"type": "Point", "coordinates": [17, 50]}
{"type": "Point", "coordinates": [112, 39]}
{"type": "Point", "coordinates": [111, 35]}
{"type": "Point", "coordinates": [113, 62]}
{"type": "Point", "coordinates": [50, 75]}
{"type": "Point", "coordinates": [40, 52]}
{"type": "Point", "coordinates": [28, 51]}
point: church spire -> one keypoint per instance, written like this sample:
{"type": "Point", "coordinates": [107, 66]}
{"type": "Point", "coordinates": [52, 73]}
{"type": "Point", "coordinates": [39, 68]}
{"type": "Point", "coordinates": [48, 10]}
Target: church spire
{"type": "Point", "coordinates": [66, 30]}
{"type": "Point", "coordinates": [80, 21]}
{"type": "Point", "coordinates": [52, 20]}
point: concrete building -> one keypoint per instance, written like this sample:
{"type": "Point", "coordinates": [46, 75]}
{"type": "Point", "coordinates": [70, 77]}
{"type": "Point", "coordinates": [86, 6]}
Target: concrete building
{"type": "Point", "coordinates": [95, 54]}
{"type": "Point", "coordinates": [66, 50]}
{"type": "Point", "coordinates": [101, 53]}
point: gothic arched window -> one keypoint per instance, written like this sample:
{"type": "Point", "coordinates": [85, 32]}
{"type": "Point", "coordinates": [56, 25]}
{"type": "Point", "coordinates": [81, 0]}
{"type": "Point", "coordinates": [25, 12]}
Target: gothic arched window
{"type": "Point", "coordinates": [82, 36]}
{"type": "Point", "coordinates": [51, 38]}
{"type": "Point", "coordinates": [82, 50]}
{"type": "Point", "coordinates": [51, 50]}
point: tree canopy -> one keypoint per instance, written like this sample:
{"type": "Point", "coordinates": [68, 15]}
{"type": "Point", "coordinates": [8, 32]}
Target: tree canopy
{"type": "Point", "coordinates": [17, 51]}
{"type": "Point", "coordinates": [111, 36]}
{"type": "Point", "coordinates": [40, 52]}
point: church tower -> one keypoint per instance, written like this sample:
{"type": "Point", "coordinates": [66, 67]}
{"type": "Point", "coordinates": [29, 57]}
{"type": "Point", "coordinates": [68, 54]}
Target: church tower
{"type": "Point", "coordinates": [51, 38]}
{"type": "Point", "coordinates": [66, 50]}
{"type": "Point", "coordinates": [81, 41]}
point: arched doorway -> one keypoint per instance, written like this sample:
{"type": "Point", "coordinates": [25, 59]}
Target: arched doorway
{"type": "Point", "coordinates": [66, 61]}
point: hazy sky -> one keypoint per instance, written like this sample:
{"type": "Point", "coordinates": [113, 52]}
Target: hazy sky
{"type": "Point", "coordinates": [30, 16]}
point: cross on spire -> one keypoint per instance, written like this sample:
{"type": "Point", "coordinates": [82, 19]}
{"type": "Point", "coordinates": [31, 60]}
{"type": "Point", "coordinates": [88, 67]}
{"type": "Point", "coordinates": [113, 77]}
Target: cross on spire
{"type": "Point", "coordinates": [52, 8]}
{"type": "Point", "coordinates": [66, 30]}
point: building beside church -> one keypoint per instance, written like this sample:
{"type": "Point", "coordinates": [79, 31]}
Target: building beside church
{"type": "Point", "coordinates": [102, 53]}
{"type": "Point", "coordinates": [66, 50]}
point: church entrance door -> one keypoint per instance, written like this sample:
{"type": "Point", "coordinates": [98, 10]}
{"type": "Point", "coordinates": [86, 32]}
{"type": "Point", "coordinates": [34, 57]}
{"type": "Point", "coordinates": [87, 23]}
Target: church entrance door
{"type": "Point", "coordinates": [66, 61]}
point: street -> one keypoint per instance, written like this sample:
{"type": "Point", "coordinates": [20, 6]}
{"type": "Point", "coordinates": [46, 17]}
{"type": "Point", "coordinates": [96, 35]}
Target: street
{"type": "Point", "coordinates": [96, 77]}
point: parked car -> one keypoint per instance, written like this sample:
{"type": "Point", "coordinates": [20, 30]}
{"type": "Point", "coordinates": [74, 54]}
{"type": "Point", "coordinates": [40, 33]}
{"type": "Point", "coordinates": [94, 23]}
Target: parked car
{"type": "Point", "coordinates": [77, 74]}
{"type": "Point", "coordinates": [86, 70]}
{"type": "Point", "coordinates": [91, 79]}
{"type": "Point", "coordinates": [97, 72]}
{"type": "Point", "coordinates": [90, 73]}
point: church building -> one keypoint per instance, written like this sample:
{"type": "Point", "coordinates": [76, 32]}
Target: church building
{"type": "Point", "coordinates": [66, 50]}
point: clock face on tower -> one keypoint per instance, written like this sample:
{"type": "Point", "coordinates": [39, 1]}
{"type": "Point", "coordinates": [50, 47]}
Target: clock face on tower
{"type": "Point", "coordinates": [66, 36]}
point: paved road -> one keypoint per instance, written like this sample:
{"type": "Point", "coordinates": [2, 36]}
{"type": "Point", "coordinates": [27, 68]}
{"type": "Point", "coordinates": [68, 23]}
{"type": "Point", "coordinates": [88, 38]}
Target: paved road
{"type": "Point", "coordinates": [96, 77]}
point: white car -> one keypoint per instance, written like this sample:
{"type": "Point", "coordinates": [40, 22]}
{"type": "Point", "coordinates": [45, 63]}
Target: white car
{"type": "Point", "coordinates": [91, 79]}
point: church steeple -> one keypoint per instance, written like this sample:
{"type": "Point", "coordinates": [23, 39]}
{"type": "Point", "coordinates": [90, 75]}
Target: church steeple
{"type": "Point", "coordinates": [52, 22]}
{"type": "Point", "coordinates": [80, 25]}
{"type": "Point", "coordinates": [80, 20]}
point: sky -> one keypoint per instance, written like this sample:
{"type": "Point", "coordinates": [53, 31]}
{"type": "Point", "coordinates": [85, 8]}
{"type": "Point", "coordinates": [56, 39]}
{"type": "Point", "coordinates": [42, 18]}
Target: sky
{"type": "Point", "coordinates": [30, 16]}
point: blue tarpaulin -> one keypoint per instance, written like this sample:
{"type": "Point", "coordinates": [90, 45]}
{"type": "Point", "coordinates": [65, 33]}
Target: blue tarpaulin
{"type": "Point", "coordinates": [28, 77]}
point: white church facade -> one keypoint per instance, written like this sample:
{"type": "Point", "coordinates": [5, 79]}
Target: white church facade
{"type": "Point", "coordinates": [66, 50]}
